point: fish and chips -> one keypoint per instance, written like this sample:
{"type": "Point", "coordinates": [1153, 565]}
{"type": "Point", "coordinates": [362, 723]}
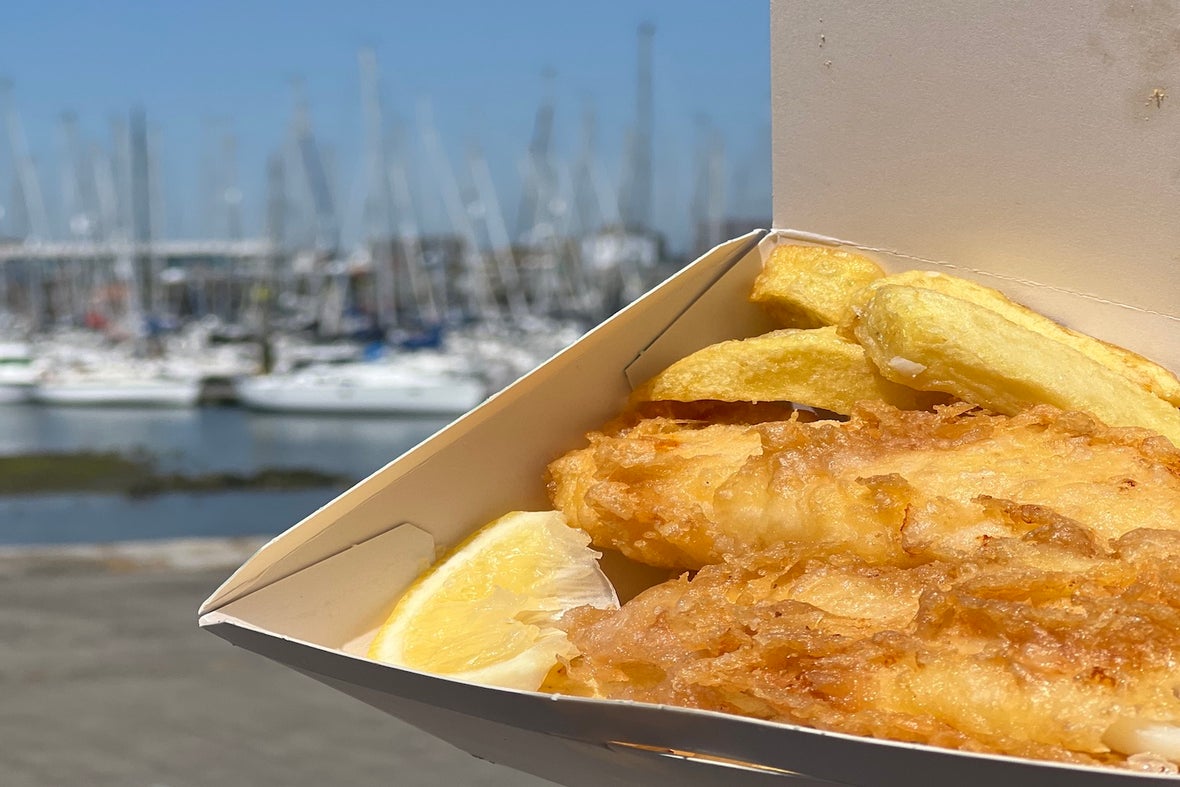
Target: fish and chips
{"type": "Point", "coordinates": [918, 511]}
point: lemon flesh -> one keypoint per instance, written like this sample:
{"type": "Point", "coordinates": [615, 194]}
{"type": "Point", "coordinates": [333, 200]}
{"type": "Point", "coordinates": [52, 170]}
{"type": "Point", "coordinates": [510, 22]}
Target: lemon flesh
{"type": "Point", "coordinates": [487, 612]}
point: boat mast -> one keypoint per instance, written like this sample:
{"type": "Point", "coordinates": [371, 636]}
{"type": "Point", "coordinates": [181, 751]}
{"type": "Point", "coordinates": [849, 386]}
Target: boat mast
{"type": "Point", "coordinates": [327, 237]}
{"type": "Point", "coordinates": [594, 206]}
{"type": "Point", "coordinates": [539, 176]}
{"type": "Point", "coordinates": [32, 200]}
{"type": "Point", "coordinates": [477, 289]}
{"type": "Point", "coordinates": [379, 197]}
{"type": "Point", "coordinates": [106, 197]}
{"type": "Point", "coordinates": [596, 216]}
{"type": "Point", "coordinates": [141, 211]}
{"type": "Point", "coordinates": [231, 192]}
{"type": "Point", "coordinates": [104, 192]}
{"type": "Point", "coordinates": [26, 171]}
{"type": "Point", "coordinates": [708, 206]}
{"type": "Point", "coordinates": [276, 219]}
{"type": "Point", "coordinates": [228, 217]}
{"type": "Point", "coordinates": [139, 220]}
{"type": "Point", "coordinates": [497, 230]}
{"type": "Point", "coordinates": [575, 284]}
{"type": "Point", "coordinates": [82, 219]}
{"type": "Point", "coordinates": [539, 204]}
{"type": "Point", "coordinates": [315, 189]}
{"type": "Point", "coordinates": [409, 238]}
{"type": "Point", "coordinates": [635, 198]}
{"type": "Point", "coordinates": [122, 266]}
{"type": "Point", "coordinates": [159, 215]}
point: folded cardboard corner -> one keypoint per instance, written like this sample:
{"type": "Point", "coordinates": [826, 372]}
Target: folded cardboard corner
{"type": "Point", "coordinates": [488, 461]}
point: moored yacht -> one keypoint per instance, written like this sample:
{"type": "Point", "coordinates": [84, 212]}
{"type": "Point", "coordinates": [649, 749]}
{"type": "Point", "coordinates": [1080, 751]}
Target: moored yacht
{"type": "Point", "coordinates": [126, 383]}
{"type": "Point", "coordinates": [18, 372]}
{"type": "Point", "coordinates": [411, 383]}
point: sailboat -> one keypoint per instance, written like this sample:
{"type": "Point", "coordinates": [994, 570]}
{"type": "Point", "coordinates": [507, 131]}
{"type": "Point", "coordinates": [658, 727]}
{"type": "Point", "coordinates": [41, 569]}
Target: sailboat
{"type": "Point", "coordinates": [78, 374]}
{"type": "Point", "coordinates": [90, 373]}
{"type": "Point", "coordinates": [18, 372]}
{"type": "Point", "coordinates": [433, 380]}
{"type": "Point", "coordinates": [420, 382]}
{"type": "Point", "coordinates": [126, 385]}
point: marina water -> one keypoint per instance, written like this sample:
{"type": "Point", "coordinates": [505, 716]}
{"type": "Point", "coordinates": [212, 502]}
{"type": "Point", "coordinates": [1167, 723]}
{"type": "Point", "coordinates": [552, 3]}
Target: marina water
{"type": "Point", "coordinates": [192, 440]}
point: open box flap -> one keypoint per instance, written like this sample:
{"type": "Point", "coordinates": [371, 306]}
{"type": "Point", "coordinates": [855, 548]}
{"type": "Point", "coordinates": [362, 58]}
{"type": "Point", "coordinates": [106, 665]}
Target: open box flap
{"type": "Point", "coordinates": [1040, 141]}
{"type": "Point", "coordinates": [473, 471]}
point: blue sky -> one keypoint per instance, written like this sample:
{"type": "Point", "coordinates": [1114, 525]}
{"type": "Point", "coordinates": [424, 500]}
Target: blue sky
{"type": "Point", "coordinates": [196, 64]}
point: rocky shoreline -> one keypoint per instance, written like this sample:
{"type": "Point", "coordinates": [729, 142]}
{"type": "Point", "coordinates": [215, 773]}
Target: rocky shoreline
{"type": "Point", "coordinates": [138, 475]}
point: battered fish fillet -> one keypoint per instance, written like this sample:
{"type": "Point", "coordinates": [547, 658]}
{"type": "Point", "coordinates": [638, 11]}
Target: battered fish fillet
{"type": "Point", "coordinates": [885, 484]}
{"type": "Point", "coordinates": [1050, 645]}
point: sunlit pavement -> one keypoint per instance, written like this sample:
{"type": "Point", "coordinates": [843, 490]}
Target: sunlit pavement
{"type": "Point", "coordinates": [106, 680]}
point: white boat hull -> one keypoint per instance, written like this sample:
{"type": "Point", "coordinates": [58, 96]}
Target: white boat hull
{"type": "Point", "coordinates": [129, 393]}
{"type": "Point", "coordinates": [282, 393]}
{"type": "Point", "coordinates": [14, 393]}
{"type": "Point", "coordinates": [18, 372]}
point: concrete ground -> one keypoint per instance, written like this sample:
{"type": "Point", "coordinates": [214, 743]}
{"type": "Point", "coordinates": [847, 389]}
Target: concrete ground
{"type": "Point", "coordinates": [105, 679]}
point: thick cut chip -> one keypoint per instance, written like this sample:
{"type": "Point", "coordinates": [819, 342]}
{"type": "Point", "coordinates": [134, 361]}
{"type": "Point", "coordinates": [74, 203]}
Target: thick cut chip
{"type": "Point", "coordinates": [809, 286]}
{"type": "Point", "coordinates": [813, 367]}
{"type": "Point", "coordinates": [937, 342]}
{"type": "Point", "coordinates": [1147, 374]}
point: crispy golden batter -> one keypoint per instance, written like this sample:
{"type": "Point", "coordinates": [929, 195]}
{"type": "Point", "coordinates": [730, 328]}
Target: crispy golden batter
{"type": "Point", "coordinates": [1033, 646]}
{"type": "Point", "coordinates": [655, 475]}
{"type": "Point", "coordinates": [883, 484]}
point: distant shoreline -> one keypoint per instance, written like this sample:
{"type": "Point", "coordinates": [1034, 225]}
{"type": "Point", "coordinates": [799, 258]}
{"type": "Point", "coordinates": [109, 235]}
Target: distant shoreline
{"type": "Point", "coordinates": [137, 476]}
{"type": "Point", "coordinates": [205, 553]}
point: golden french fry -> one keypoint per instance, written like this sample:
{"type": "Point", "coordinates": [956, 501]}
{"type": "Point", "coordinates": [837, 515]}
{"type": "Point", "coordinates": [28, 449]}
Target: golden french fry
{"type": "Point", "coordinates": [813, 367]}
{"type": "Point", "coordinates": [936, 342]}
{"type": "Point", "coordinates": [1147, 374]}
{"type": "Point", "coordinates": [809, 286]}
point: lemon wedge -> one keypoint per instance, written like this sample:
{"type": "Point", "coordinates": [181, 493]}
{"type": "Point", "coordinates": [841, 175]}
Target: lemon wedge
{"type": "Point", "coordinates": [486, 613]}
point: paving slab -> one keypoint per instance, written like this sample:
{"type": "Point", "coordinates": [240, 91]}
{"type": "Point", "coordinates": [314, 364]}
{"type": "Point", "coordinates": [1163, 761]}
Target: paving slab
{"type": "Point", "coordinates": [105, 679]}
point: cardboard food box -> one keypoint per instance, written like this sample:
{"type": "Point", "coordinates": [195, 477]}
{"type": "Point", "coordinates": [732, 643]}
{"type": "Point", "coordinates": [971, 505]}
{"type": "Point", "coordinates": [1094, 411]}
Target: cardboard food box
{"type": "Point", "coordinates": [1024, 147]}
